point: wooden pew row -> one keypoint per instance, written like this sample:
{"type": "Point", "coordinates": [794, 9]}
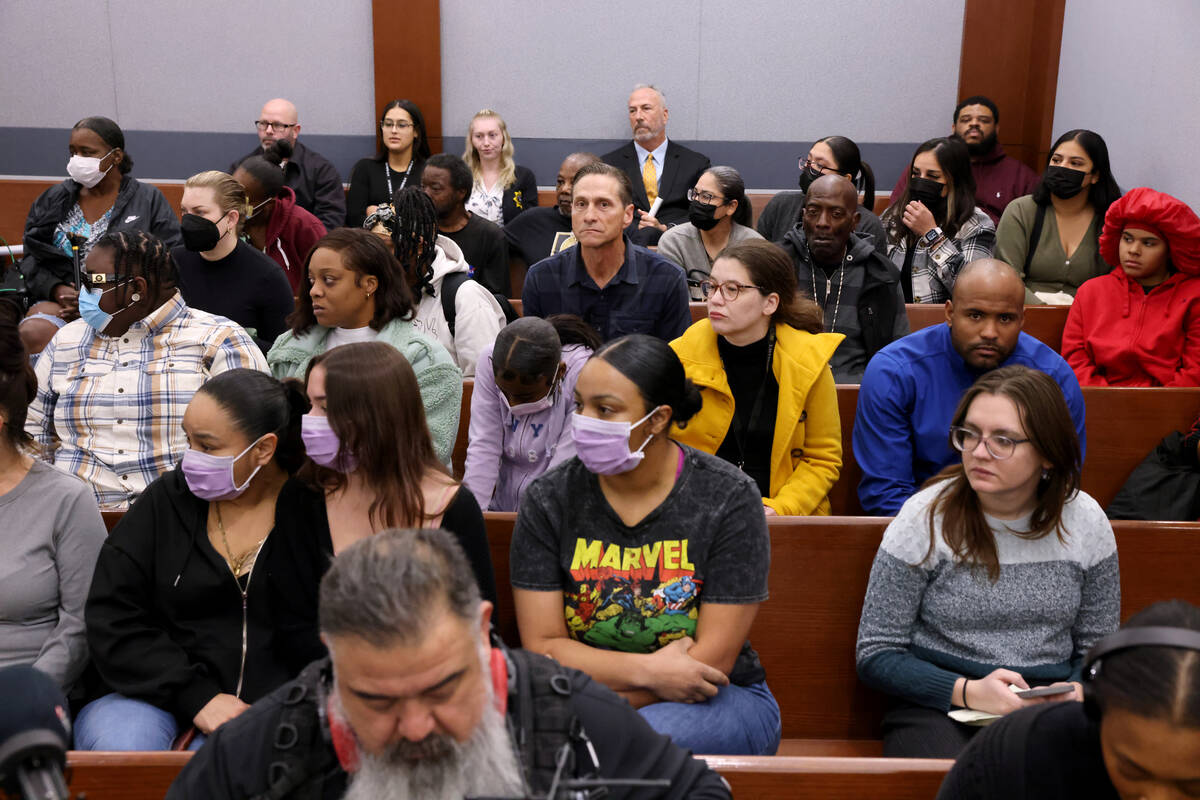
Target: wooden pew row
{"type": "Point", "coordinates": [1044, 323]}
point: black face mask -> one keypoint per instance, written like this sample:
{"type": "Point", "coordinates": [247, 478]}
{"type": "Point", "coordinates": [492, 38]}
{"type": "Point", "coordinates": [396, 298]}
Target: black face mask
{"type": "Point", "coordinates": [1064, 182]}
{"type": "Point", "coordinates": [929, 193]}
{"type": "Point", "coordinates": [701, 215]}
{"type": "Point", "coordinates": [199, 234]}
{"type": "Point", "coordinates": [807, 176]}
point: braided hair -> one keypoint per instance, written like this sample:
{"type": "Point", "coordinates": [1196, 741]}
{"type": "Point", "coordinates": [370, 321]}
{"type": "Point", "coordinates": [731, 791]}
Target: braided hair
{"type": "Point", "coordinates": [137, 254]}
{"type": "Point", "coordinates": [415, 235]}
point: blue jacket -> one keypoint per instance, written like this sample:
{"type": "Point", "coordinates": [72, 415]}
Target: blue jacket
{"type": "Point", "coordinates": [907, 400]}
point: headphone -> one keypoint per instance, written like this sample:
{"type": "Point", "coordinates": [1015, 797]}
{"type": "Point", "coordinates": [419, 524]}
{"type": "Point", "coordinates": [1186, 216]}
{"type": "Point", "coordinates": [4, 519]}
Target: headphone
{"type": "Point", "coordinates": [345, 743]}
{"type": "Point", "coordinates": [1130, 639]}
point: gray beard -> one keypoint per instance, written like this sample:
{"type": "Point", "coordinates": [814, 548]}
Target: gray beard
{"type": "Point", "coordinates": [484, 765]}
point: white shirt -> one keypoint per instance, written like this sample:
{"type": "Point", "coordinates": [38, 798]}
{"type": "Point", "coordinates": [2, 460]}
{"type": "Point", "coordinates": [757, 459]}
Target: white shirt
{"type": "Point", "coordinates": [341, 336]}
{"type": "Point", "coordinates": [487, 203]}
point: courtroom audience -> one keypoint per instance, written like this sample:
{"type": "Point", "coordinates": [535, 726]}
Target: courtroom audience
{"type": "Point", "coordinates": [501, 189]}
{"type": "Point", "coordinates": [403, 150]}
{"type": "Point", "coordinates": [856, 286]}
{"type": "Point", "coordinates": [718, 215]}
{"type": "Point", "coordinates": [39, 326]}
{"type": "Point", "coordinates": [314, 180]}
{"type": "Point", "coordinates": [762, 366]}
{"type": "Point", "coordinates": [448, 306]}
{"type": "Point", "coordinates": [180, 620]}
{"type": "Point", "coordinates": [546, 230]}
{"type": "Point", "coordinates": [1053, 235]}
{"type": "Point", "coordinates": [616, 286]}
{"type": "Point", "coordinates": [371, 466]}
{"type": "Point", "coordinates": [630, 561]}
{"type": "Point", "coordinates": [276, 224]}
{"type": "Point", "coordinates": [660, 170]}
{"type": "Point", "coordinates": [218, 272]}
{"type": "Point", "coordinates": [832, 155]}
{"type": "Point", "coordinates": [949, 619]}
{"type": "Point", "coordinates": [521, 406]}
{"type": "Point", "coordinates": [99, 196]}
{"type": "Point", "coordinates": [1137, 735]}
{"type": "Point", "coordinates": [113, 386]}
{"type": "Point", "coordinates": [52, 534]}
{"type": "Point", "coordinates": [912, 386]}
{"type": "Point", "coordinates": [933, 226]}
{"type": "Point", "coordinates": [357, 293]}
{"type": "Point", "coordinates": [447, 181]}
{"type": "Point", "coordinates": [1139, 325]}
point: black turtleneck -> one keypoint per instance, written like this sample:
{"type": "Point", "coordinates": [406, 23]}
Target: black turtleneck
{"type": "Point", "coordinates": [746, 370]}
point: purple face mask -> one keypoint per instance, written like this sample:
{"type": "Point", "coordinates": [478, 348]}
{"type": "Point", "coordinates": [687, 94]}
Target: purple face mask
{"type": "Point", "coordinates": [211, 477]}
{"type": "Point", "coordinates": [322, 444]}
{"type": "Point", "coordinates": [603, 445]}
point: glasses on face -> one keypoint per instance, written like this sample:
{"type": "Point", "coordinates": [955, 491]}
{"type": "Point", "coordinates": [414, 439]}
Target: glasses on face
{"type": "Point", "coordinates": [1000, 447]}
{"type": "Point", "coordinates": [395, 124]}
{"type": "Point", "coordinates": [808, 163]}
{"type": "Point", "coordinates": [729, 289]}
{"type": "Point", "coordinates": [708, 198]}
{"type": "Point", "coordinates": [278, 127]}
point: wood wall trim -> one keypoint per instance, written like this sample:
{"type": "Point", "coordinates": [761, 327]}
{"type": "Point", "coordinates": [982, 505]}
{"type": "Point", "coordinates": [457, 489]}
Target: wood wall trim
{"type": "Point", "coordinates": [408, 58]}
{"type": "Point", "coordinates": [1010, 52]}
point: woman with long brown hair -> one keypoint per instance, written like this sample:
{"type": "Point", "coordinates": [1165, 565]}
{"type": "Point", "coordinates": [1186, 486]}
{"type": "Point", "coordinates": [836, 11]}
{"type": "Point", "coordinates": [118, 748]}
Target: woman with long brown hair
{"type": "Point", "coordinates": [372, 466]}
{"type": "Point", "coordinates": [995, 578]}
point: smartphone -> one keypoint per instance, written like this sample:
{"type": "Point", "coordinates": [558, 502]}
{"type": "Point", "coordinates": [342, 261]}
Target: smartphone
{"type": "Point", "coordinates": [1045, 691]}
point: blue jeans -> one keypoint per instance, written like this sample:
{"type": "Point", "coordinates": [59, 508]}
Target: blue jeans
{"type": "Point", "coordinates": [115, 722]}
{"type": "Point", "coordinates": [739, 721]}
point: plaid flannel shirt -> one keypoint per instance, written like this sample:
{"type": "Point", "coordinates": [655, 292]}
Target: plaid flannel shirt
{"type": "Point", "coordinates": [114, 405]}
{"type": "Point", "coordinates": [934, 271]}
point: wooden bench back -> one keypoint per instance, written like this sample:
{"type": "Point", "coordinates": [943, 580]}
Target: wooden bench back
{"type": "Point", "coordinates": [1044, 323]}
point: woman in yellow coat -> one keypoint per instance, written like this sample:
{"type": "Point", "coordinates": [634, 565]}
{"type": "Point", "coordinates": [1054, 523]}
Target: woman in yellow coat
{"type": "Point", "coordinates": [779, 425]}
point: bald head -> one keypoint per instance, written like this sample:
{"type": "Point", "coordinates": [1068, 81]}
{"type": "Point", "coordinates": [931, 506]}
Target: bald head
{"type": "Point", "coordinates": [566, 178]}
{"type": "Point", "coordinates": [991, 277]}
{"type": "Point", "coordinates": [837, 187]}
{"type": "Point", "coordinates": [986, 314]}
{"type": "Point", "coordinates": [830, 216]}
{"type": "Point", "coordinates": [278, 112]}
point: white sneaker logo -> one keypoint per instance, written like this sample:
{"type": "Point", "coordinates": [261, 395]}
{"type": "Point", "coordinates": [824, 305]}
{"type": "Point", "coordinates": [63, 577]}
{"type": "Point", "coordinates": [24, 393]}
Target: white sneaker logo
{"type": "Point", "coordinates": [131, 219]}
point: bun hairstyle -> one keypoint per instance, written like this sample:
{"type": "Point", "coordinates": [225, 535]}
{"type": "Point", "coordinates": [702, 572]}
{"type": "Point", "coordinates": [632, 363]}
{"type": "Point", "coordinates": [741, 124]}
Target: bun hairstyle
{"type": "Point", "coordinates": [258, 404]}
{"type": "Point", "coordinates": [656, 371]}
{"type": "Point", "coordinates": [18, 383]}
{"type": "Point", "coordinates": [266, 168]}
{"type": "Point", "coordinates": [112, 135]}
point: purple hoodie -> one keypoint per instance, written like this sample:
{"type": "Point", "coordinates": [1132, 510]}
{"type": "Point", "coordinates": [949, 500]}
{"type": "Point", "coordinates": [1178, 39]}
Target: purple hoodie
{"type": "Point", "coordinates": [506, 452]}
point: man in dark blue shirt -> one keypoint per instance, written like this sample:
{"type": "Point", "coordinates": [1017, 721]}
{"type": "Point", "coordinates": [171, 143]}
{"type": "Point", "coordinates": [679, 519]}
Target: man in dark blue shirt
{"type": "Point", "coordinates": [613, 284]}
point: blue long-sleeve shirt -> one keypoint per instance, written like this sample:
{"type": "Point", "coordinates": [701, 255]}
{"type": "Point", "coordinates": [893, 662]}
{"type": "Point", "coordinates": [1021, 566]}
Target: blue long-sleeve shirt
{"type": "Point", "coordinates": [907, 401]}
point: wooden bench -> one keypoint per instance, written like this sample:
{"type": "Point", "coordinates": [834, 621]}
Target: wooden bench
{"type": "Point", "coordinates": [123, 776]}
{"type": "Point", "coordinates": [1044, 323]}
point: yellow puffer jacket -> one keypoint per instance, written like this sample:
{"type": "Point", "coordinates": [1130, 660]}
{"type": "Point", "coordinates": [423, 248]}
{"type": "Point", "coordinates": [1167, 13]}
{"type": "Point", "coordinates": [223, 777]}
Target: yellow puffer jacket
{"type": "Point", "coordinates": [806, 452]}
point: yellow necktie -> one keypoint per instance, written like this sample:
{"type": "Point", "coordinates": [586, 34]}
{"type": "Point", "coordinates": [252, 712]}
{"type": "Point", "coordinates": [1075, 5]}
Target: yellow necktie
{"type": "Point", "coordinates": [650, 178]}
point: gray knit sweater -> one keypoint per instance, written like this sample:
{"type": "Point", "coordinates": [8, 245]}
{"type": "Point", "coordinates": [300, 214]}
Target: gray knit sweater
{"type": "Point", "coordinates": [927, 622]}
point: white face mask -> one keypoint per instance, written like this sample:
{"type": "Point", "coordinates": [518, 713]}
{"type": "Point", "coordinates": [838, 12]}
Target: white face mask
{"type": "Point", "coordinates": [86, 171]}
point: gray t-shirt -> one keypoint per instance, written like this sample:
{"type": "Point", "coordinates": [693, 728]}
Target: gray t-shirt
{"type": "Point", "coordinates": [638, 588]}
{"type": "Point", "coordinates": [52, 533]}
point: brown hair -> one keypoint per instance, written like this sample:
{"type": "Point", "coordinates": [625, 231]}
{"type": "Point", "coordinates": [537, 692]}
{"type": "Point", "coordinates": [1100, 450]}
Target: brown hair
{"type": "Point", "coordinates": [230, 195]}
{"type": "Point", "coordinates": [624, 186]}
{"type": "Point", "coordinates": [364, 253]}
{"type": "Point", "coordinates": [771, 270]}
{"type": "Point", "coordinates": [1051, 431]}
{"type": "Point", "coordinates": [374, 405]}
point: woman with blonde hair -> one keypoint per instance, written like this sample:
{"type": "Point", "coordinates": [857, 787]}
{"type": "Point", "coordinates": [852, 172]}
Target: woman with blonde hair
{"type": "Point", "coordinates": [218, 272]}
{"type": "Point", "coordinates": [502, 187]}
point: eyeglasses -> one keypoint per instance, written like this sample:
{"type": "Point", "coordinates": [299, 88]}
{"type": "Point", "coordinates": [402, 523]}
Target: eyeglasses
{"type": "Point", "coordinates": [99, 278]}
{"type": "Point", "coordinates": [729, 289]}
{"type": "Point", "coordinates": [1000, 447]}
{"type": "Point", "coordinates": [278, 127]}
{"type": "Point", "coordinates": [808, 163]}
{"type": "Point", "coordinates": [400, 125]}
{"type": "Point", "coordinates": [708, 198]}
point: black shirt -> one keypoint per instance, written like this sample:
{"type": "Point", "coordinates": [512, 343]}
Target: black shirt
{"type": "Point", "coordinates": [537, 233]}
{"type": "Point", "coordinates": [369, 186]}
{"type": "Point", "coordinates": [748, 442]}
{"type": "Point", "coordinates": [483, 246]}
{"type": "Point", "coordinates": [245, 286]}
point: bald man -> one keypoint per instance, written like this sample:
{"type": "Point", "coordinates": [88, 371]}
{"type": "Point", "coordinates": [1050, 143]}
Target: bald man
{"type": "Point", "coordinates": [316, 182]}
{"type": "Point", "coordinates": [912, 386]}
{"type": "Point", "coordinates": [857, 286]}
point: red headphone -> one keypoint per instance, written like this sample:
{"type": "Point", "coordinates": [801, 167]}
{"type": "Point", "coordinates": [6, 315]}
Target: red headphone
{"type": "Point", "coordinates": [345, 744]}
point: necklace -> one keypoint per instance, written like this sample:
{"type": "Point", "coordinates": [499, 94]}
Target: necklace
{"type": "Point", "coordinates": [237, 564]}
{"type": "Point", "coordinates": [837, 304]}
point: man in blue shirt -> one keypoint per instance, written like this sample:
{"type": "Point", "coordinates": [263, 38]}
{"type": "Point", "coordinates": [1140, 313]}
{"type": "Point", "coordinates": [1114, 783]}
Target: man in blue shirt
{"type": "Point", "coordinates": [912, 386]}
{"type": "Point", "coordinates": [615, 285]}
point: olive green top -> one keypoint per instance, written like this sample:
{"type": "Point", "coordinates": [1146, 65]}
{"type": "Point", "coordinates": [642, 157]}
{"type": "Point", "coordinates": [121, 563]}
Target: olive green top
{"type": "Point", "coordinates": [1050, 270]}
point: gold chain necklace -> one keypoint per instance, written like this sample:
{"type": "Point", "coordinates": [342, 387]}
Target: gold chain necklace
{"type": "Point", "coordinates": [236, 563]}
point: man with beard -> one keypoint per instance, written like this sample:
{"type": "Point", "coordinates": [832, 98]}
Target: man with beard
{"type": "Point", "coordinates": [660, 170]}
{"type": "Point", "coordinates": [999, 178]}
{"type": "Point", "coordinates": [413, 702]}
{"type": "Point", "coordinates": [447, 180]}
{"type": "Point", "coordinates": [912, 387]}
{"type": "Point", "coordinates": [857, 288]}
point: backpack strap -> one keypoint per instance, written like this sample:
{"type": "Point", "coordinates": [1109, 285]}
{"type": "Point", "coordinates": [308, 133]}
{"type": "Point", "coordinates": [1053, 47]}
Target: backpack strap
{"type": "Point", "coordinates": [450, 286]}
{"type": "Point", "coordinates": [301, 758]}
{"type": "Point", "coordinates": [1035, 236]}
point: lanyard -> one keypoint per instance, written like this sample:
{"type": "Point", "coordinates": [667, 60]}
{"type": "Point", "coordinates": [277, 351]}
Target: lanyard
{"type": "Point", "coordinates": [740, 433]}
{"type": "Point", "coordinates": [387, 170]}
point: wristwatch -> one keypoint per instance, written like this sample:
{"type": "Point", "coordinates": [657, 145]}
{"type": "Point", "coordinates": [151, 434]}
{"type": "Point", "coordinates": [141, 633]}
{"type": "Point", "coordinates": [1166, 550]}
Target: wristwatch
{"type": "Point", "coordinates": [931, 236]}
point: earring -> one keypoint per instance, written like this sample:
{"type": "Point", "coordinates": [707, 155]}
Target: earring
{"type": "Point", "coordinates": [135, 297]}
{"type": "Point", "coordinates": [1045, 474]}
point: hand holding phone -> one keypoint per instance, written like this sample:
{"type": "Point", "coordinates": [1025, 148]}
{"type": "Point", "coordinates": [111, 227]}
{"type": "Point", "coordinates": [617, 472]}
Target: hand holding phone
{"type": "Point", "coordinates": [1045, 691]}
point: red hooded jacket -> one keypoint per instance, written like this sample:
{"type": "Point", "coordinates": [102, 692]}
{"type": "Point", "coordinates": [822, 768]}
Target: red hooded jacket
{"type": "Point", "coordinates": [291, 234]}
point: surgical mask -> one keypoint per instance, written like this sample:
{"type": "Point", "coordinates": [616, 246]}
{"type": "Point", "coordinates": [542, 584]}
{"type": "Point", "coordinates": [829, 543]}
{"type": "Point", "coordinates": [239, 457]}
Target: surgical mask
{"type": "Point", "coordinates": [929, 193]}
{"type": "Point", "coordinates": [807, 176]}
{"type": "Point", "coordinates": [211, 477]}
{"type": "Point", "coordinates": [603, 445]}
{"type": "Point", "coordinates": [254, 212]}
{"type": "Point", "coordinates": [322, 444]}
{"type": "Point", "coordinates": [85, 170]}
{"type": "Point", "coordinates": [701, 215]}
{"type": "Point", "coordinates": [199, 234]}
{"type": "Point", "coordinates": [534, 407]}
{"type": "Point", "coordinates": [1064, 182]}
{"type": "Point", "coordinates": [89, 309]}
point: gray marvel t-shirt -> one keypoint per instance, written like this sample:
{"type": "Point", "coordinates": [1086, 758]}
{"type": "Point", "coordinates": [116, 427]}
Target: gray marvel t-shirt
{"type": "Point", "coordinates": [638, 588]}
